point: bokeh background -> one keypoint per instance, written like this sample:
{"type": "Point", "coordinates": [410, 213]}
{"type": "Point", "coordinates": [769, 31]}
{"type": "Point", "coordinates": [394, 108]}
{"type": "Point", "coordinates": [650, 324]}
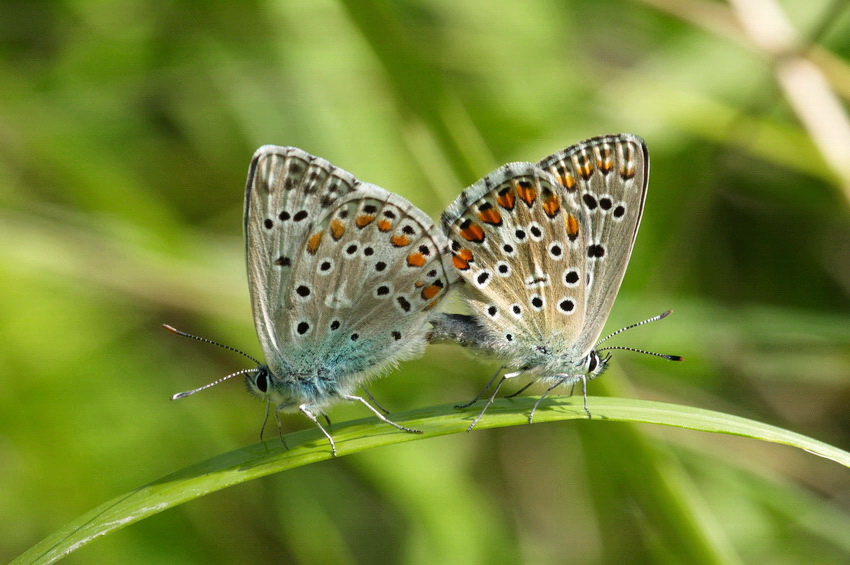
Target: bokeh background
{"type": "Point", "coordinates": [126, 129]}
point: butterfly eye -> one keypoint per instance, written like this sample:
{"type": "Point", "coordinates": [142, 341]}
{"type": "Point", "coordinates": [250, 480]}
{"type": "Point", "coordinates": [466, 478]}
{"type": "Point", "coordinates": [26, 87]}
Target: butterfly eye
{"type": "Point", "coordinates": [262, 382]}
{"type": "Point", "coordinates": [592, 362]}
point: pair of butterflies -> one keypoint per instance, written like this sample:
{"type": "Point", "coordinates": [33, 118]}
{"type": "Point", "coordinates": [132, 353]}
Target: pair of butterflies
{"type": "Point", "coordinates": [344, 276]}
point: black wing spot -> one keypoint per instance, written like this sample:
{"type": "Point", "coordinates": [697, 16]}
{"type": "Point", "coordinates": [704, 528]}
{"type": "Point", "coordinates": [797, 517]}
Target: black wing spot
{"type": "Point", "coordinates": [595, 251]}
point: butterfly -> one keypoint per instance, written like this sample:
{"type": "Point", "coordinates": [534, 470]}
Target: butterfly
{"type": "Point", "coordinates": [343, 276]}
{"type": "Point", "coordinates": [543, 249]}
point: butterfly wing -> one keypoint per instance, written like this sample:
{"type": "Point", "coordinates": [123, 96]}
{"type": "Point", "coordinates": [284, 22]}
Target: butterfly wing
{"type": "Point", "coordinates": [607, 178]}
{"type": "Point", "coordinates": [544, 247]}
{"type": "Point", "coordinates": [342, 274]}
{"type": "Point", "coordinates": [286, 192]}
{"type": "Point", "coordinates": [519, 244]}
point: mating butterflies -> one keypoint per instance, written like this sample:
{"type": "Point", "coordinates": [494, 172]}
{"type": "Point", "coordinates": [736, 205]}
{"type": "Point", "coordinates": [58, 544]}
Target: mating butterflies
{"type": "Point", "coordinates": [343, 276]}
{"type": "Point", "coordinates": [543, 249]}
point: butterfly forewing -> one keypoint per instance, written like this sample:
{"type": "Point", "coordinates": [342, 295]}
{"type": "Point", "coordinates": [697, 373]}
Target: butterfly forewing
{"type": "Point", "coordinates": [607, 178]}
{"type": "Point", "coordinates": [287, 190]}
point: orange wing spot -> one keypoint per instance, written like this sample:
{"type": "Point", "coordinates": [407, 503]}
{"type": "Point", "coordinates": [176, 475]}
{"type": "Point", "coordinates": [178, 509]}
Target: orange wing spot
{"type": "Point", "coordinates": [572, 226]}
{"type": "Point", "coordinates": [415, 260]}
{"type": "Point", "coordinates": [627, 169]}
{"type": "Point", "coordinates": [525, 190]}
{"type": "Point", "coordinates": [430, 292]}
{"type": "Point", "coordinates": [604, 160]}
{"type": "Point", "coordinates": [385, 225]}
{"type": "Point", "coordinates": [314, 241]}
{"type": "Point", "coordinates": [431, 305]}
{"type": "Point", "coordinates": [471, 232]}
{"type": "Point", "coordinates": [462, 259]}
{"type": "Point", "coordinates": [364, 220]}
{"type": "Point", "coordinates": [506, 199]}
{"type": "Point", "coordinates": [568, 181]}
{"type": "Point", "coordinates": [490, 216]}
{"type": "Point", "coordinates": [419, 284]}
{"type": "Point", "coordinates": [337, 229]}
{"type": "Point", "coordinates": [400, 240]}
{"type": "Point", "coordinates": [585, 167]}
{"type": "Point", "coordinates": [552, 206]}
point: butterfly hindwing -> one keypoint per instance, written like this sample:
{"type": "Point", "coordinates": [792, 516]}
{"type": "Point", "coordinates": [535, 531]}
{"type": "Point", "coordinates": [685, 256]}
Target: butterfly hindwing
{"type": "Point", "coordinates": [519, 245]}
{"type": "Point", "coordinates": [374, 268]}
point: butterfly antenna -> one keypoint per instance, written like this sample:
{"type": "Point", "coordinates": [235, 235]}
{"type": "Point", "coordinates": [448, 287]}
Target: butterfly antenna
{"type": "Point", "coordinates": [662, 355]}
{"type": "Point", "coordinates": [205, 340]}
{"type": "Point", "coordinates": [621, 330]}
{"type": "Point", "coordinates": [206, 386]}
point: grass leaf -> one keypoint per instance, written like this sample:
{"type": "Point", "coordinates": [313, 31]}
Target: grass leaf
{"type": "Point", "coordinates": [309, 446]}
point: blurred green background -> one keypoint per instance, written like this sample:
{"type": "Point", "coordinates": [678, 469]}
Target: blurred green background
{"type": "Point", "coordinates": [126, 129]}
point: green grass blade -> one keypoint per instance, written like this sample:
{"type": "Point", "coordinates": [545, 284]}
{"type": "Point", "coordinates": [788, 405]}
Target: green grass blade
{"type": "Point", "coordinates": [308, 446]}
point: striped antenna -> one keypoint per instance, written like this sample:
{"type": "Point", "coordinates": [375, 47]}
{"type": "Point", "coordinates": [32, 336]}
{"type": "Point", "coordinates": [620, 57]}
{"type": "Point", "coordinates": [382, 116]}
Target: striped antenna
{"type": "Point", "coordinates": [206, 386]}
{"type": "Point", "coordinates": [621, 330]}
{"type": "Point", "coordinates": [222, 379]}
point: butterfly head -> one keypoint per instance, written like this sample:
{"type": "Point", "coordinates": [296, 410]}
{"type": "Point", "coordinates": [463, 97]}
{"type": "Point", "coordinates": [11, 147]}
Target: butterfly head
{"type": "Point", "coordinates": [259, 381]}
{"type": "Point", "coordinates": [590, 366]}
{"type": "Point", "coordinates": [264, 384]}
{"type": "Point", "coordinates": [594, 364]}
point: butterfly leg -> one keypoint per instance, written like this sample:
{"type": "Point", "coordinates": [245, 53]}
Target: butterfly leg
{"type": "Point", "coordinates": [489, 402]}
{"type": "Point", "coordinates": [481, 392]}
{"type": "Point", "coordinates": [327, 419]}
{"type": "Point", "coordinates": [584, 394]}
{"type": "Point", "coordinates": [375, 402]}
{"type": "Point", "coordinates": [265, 419]}
{"type": "Point", "coordinates": [279, 425]}
{"type": "Point", "coordinates": [520, 391]}
{"type": "Point", "coordinates": [304, 410]}
{"type": "Point", "coordinates": [558, 383]}
{"type": "Point", "coordinates": [380, 416]}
